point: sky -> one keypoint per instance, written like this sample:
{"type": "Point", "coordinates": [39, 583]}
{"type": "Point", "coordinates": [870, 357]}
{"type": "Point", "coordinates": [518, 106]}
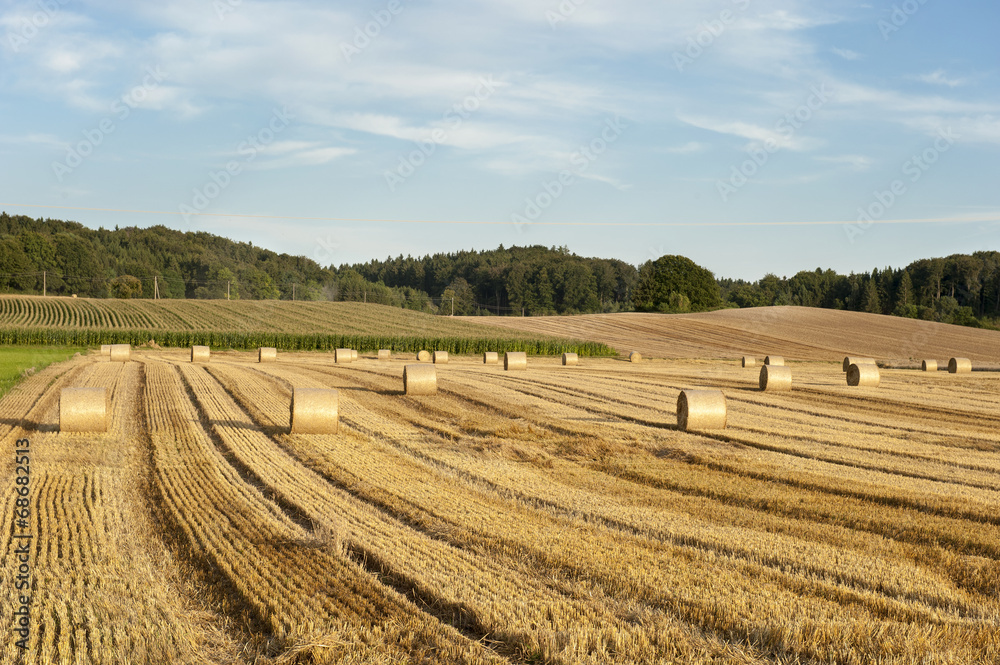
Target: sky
{"type": "Point", "coordinates": [752, 136]}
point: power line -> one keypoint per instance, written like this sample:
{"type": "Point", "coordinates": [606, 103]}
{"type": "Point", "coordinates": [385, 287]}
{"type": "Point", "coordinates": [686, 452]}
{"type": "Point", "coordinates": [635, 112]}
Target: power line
{"type": "Point", "coordinates": [929, 220]}
{"type": "Point", "coordinates": [153, 278]}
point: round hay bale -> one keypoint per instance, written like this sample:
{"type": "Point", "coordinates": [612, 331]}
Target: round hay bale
{"type": "Point", "coordinates": [440, 357]}
{"type": "Point", "coordinates": [200, 354]}
{"type": "Point", "coordinates": [354, 355]}
{"type": "Point", "coordinates": [491, 358]}
{"type": "Point", "coordinates": [774, 378]}
{"type": "Point", "coordinates": [929, 366]}
{"type": "Point", "coordinates": [850, 360]}
{"type": "Point", "coordinates": [570, 359]}
{"type": "Point", "coordinates": [959, 366]}
{"type": "Point", "coordinates": [701, 410]}
{"type": "Point", "coordinates": [423, 356]}
{"type": "Point", "coordinates": [341, 356]}
{"type": "Point", "coordinates": [777, 361]}
{"type": "Point", "coordinates": [635, 357]}
{"type": "Point", "coordinates": [121, 353]}
{"type": "Point", "coordinates": [267, 354]}
{"type": "Point", "coordinates": [384, 354]}
{"type": "Point", "coordinates": [105, 349]}
{"type": "Point", "coordinates": [84, 409]}
{"type": "Point", "coordinates": [315, 411]}
{"type": "Point", "coordinates": [864, 375]}
{"type": "Point", "coordinates": [515, 360]}
{"type": "Point", "coordinates": [749, 361]}
{"type": "Point", "coordinates": [419, 379]}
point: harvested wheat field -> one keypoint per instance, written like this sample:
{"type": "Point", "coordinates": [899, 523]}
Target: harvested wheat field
{"type": "Point", "coordinates": [554, 515]}
{"type": "Point", "coordinates": [799, 333]}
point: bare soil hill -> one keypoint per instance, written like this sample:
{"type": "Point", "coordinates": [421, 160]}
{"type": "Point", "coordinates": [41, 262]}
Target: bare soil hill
{"type": "Point", "coordinates": [799, 333]}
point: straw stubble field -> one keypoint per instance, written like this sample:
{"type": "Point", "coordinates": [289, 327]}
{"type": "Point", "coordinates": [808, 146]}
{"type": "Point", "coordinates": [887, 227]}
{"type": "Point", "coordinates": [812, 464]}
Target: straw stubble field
{"type": "Point", "coordinates": [555, 515]}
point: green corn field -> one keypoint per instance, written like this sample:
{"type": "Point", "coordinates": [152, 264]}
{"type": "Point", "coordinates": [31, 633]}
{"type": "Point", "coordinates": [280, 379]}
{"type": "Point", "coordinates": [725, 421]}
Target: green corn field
{"type": "Point", "coordinates": [289, 326]}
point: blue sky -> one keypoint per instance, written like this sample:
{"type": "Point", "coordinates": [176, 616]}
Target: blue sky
{"type": "Point", "coordinates": [625, 129]}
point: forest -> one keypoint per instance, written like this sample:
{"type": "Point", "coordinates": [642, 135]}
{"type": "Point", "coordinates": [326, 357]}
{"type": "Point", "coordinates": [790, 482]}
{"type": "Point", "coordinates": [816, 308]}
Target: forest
{"type": "Point", "coordinates": [57, 257]}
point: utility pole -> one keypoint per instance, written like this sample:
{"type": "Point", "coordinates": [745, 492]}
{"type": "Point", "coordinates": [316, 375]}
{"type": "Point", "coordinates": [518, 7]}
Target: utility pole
{"type": "Point", "coordinates": [453, 305]}
{"type": "Point", "coordinates": [43, 284]}
{"type": "Point", "coordinates": [156, 288]}
{"type": "Point", "coordinates": [293, 293]}
{"type": "Point", "coordinates": [366, 297]}
{"type": "Point", "coordinates": [227, 289]}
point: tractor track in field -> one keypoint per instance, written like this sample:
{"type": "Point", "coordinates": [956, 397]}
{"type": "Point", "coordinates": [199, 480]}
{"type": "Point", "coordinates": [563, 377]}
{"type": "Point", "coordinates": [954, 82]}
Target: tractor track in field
{"type": "Point", "coordinates": [454, 615]}
{"type": "Point", "coordinates": [848, 412]}
{"type": "Point", "coordinates": [248, 475]}
{"type": "Point", "coordinates": [556, 515]}
{"type": "Point", "coordinates": [531, 388]}
{"type": "Point", "coordinates": [620, 526]}
{"type": "Point", "coordinates": [602, 398]}
{"type": "Point", "coordinates": [950, 514]}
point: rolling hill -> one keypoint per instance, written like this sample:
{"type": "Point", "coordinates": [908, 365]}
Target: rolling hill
{"type": "Point", "coordinates": [248, 324]}
{"type": "Point", "coordinates": [800, 333]}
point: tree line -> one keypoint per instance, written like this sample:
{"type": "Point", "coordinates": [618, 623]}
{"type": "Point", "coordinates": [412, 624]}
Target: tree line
{"type": "Point", "coordinates": [64, 258]}
{"type": "Point", "coordinates": [962, 289]}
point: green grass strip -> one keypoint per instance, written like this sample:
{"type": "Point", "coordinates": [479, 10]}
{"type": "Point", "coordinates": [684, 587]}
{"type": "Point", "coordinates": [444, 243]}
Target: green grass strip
{"type": "Point", "coordinates": [14, 360]}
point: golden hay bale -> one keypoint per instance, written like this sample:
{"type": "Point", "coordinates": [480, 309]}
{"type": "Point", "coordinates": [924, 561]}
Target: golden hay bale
{"type": "Point", "coordinates": [84, 409]}
{"type": "Point", "coordinates": [491, 358]}
{"type": "Point", "coordinates": [419, 379]}
{"type": "Point", "coordinates": [959, 366]}
{"type": "Point", "coordinates": [200, 354]}
{"type": "Point", "coordinates": [775, 378]}
{"type": "Point", "coordinates": [267, 354]}
{"type": "Point", "coordinates": [851, 360]}
{"type": "Point", "coordinates": [423, 356]}
{"type": "Point", "coordinates": [315, 411]}
{"type": "Point", "coordinates": [105, 349]}
{"type": "Point", "coordinates": [354, 355]}
{"type": "Point", "coordinates": [121, 353]}
{"type": "Point", "coordinates": [384, 354]}
{"type": "Point", "coordinates": [440, 357]}
{"type": "Point", "coordinates": [929, 366]}
{"type": "Point", "coordinates": [341, 356]}
{"type": "Point", "coordinates": [515, 360]}
{"type": "Point", "coordinates": [777, 361]}
{"type": "Point", "coordinates": [570, 359]}
{"type": "Point", "coordinates": [635, 357]}
{"type": "Point", "coordinates": [864, 375]}
{"type": "Point", "coordinates": [701, 409]}
{"type": "Point", "coordinates": [749, 361]}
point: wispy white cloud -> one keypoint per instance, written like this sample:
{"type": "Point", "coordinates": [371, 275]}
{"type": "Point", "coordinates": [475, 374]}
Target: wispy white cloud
{"type": "Point", "coordinates": [686, 149]}
{"type": "Point", "coordinates": [847, 54]}
{"type": "Point", "coordinates": [608, 180]}
{"type": "Point", "coordinates": [792, 19]}
{"type": "Point", "coordinates": [940, 77]}
{"type": "Point", "coordinates": [47, 140]}
{"type": "Point", "coordinates": [554, 89]}
{"type": "Point", "coordinates": [895, 103]}
{"type": "Point", "coordinates": [856, 162]}
{"type": "Point", "coordinates": [976, 130]}
{"type": "Point", "coordinates": [747, 130]}
{"type": "Point", "coordinates": [307, 157]}
{"type": "Point", "coordinates": [175, 99]}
